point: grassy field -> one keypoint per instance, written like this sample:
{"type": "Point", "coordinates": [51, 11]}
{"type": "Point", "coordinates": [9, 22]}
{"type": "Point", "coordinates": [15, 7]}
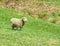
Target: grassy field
{"type": "Point", "coordinates": [34, 33]}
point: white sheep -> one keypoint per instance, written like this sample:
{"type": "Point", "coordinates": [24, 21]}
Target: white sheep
{"type": "Point", "coordinates": [18, 22]}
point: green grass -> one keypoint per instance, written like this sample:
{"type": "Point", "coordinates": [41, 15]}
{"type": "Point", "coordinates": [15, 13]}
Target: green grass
{"type": "Point", "coordinates": [34, 33]}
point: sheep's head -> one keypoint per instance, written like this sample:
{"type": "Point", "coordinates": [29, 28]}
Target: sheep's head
{"type": "Point", "coordinates": [24, 19]}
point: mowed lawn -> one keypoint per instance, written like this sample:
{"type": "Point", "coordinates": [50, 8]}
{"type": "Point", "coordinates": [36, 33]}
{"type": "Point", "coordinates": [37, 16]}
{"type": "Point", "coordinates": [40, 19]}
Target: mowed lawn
{"type": "Point", "coordinates": [34, 33]}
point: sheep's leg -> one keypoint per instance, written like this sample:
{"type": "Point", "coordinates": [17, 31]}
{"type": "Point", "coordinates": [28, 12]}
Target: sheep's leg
{"type": "Point", "coordinates": [13, 26]}
{"type": "Point", "coordinates": [20, 28]}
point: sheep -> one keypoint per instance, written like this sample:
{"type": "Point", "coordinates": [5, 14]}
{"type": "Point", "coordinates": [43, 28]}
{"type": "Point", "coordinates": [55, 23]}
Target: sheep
{"type": "Point", "coordinates": [18, 22]}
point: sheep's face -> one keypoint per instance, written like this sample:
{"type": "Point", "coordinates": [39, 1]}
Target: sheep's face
{"type": "Point", "coordinates": [24, 19]}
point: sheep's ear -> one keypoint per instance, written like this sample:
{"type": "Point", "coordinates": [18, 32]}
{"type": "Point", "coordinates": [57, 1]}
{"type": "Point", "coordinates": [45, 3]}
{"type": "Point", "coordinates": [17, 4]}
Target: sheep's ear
{"type": "Point", "coordinates": [24, 19]}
